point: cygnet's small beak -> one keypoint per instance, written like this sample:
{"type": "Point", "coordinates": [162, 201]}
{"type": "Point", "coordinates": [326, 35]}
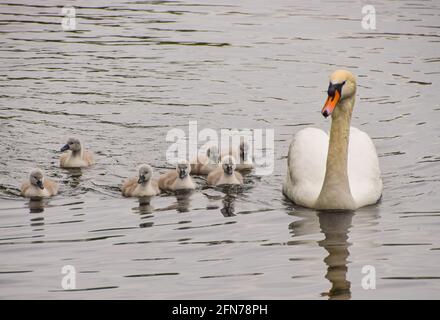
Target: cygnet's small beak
{"type": "Point", "coordinates": [182, 173]}
{"type": "Point", "coordinates": [141, 179]}
{"type": "Point", "coordinates": [65, 147]}
{"type": "Point", "coordinates": [40, 184]}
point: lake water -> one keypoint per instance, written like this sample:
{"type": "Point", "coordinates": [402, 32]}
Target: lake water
{"type": "Point", "coordinates": [133, 70]}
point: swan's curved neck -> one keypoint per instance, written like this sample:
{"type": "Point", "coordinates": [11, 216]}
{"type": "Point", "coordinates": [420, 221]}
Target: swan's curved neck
{"type": "Point", "coordinates": [77, 153]}
{"type": "Point", "coordinates": [335, 192]}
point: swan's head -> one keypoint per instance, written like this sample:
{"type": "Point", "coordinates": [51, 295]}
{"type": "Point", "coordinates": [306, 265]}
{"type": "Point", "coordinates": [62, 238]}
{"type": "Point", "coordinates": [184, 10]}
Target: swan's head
{"type": "Point", "coordinates": [229, 165]}
{"type": "Point", "coordinates": [36, 178]}
{"type": "Point", "coordinates": [145, 173]}
{"type": "Point", "coordinates": [72, 144]}
{"type": "Point", "coordinates": [183, 169]}
{"type": "Point", "coordinates": [213, 154]}
{"type": "Point", "coordinates": [342, 86]}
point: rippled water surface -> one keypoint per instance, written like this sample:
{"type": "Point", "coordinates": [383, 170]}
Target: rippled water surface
{"type": "Point", "coordinates": [135, 69]}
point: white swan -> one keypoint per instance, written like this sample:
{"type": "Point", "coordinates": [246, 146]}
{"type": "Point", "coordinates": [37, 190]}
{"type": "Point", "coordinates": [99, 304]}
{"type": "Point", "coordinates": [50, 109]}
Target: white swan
{"type": "Point", "coordinates": [226, 174]}
{"type": "Point", "coordinates": [142, 186]}
{"type": "Point", "coordinates": [38, 186]}
{"type": "Point", "coordinates": [342, 173]}
{"type": "Point", "coordinates": [76, 156]}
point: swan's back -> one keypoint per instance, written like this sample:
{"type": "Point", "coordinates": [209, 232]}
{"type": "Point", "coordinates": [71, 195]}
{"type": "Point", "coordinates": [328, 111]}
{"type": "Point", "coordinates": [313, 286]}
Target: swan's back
{"type": "Point", "coordinates": [306, 166]}
{"type": "Point", "coordinates": [166, 180]}
{"type": "Point", "coordinates": [129, 186]}
{"type": "Point", "coordinates": [363, 169]}
{"type": "Point", "coordinates": [214, 176]}
{"type": "Point", "coordinates": [203, 166]}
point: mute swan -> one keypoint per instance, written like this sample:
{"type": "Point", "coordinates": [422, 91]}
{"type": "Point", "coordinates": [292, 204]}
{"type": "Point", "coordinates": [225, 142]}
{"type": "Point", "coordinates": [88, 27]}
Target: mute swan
{"type": "Point", "coordinates": [178, 179]}
{"type": "Point", "coordinates": [342, 173]}
{"type": "Point", "coordinates": [76, 157]}
{"type": "Point", "coordinates": [142, 186]}
{"type": "Point", "coordinates": [226, 175]}
{"type": "Point", "coordinates": [38, 186]}
{"type": "Point", "coordinates": [204, 164]}
{"type": "Point", "coordinates": [242, 154]}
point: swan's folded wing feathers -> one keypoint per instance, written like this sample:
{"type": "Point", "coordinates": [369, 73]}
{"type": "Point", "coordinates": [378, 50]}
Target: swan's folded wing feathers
{"type": "Point", "coordinates": [155, 185]}
{"type": "Point", "coordinates": [166, 180]}
{"type": "Point", "coordinates": [89, 158]}
{"type": "Point", "coordinates": [196, 164]}
{"type": "Point", "coordinates": [24, 188]}
{"type": "Point", "coordinates": [51, 186]}
{"type": "Point", "coordinates": [306, 166]}
{"type": "Point", "coordinates": [363, 169]}
{"type": "Point", "coordinates": [129, 186]}
{"type": "Point", "coordinates": [63, 158]}
{"type": "Point", "coordinates": [239, 177]}
{"type": "Point", "coordinates": [214, 176]}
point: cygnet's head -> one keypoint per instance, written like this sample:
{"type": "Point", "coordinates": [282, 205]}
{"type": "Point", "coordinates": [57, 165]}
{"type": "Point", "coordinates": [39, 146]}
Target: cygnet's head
{"type": "Point", "coordinates": [213, 154]}
{"type": "Point", "coordinates": [229, 165]}
{"type": "Point", "coordinates": [36, 178]}
{"type": "Point", "coordinates": [183, 169]}
{"type": "Point", "coordinates": [72, 144]}
{"type": "Point", "coordinates": [342, 86]}
{"type": "Point", "coordinates": [145, 173]}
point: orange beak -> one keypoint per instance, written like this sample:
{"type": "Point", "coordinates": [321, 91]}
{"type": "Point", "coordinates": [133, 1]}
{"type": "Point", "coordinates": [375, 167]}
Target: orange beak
{"type": "Point", "coordinates": [330, 104]}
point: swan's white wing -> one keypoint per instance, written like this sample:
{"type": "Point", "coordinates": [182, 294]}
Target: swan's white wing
{"type": "Point", "coordinates": [363, 169]}
{"type": "Point", "coordinates": [306, 166]}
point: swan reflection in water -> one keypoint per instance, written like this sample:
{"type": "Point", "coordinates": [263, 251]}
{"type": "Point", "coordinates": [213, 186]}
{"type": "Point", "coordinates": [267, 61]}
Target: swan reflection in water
{"type": "Point", "coordinates": [183, 198]}
{"type": "Point", "coordinates": [145, 211]}
{"type": "Point", "coordinates": [336, 227]}
{"type": "Point", "coordinates": [228, 208]}
{"type": "Point", "coordinates": [183, 201]}
{"type": "Point", "coordinates": [37, 205]}
{"type": "Point", "coordinates": [227, 194]}
{"type": "Point", "coordinates": [74, 175]}
{"type": "Point", "coordinates": [36, 217]}
{"type": "Point", "coordinates": [231, 192]}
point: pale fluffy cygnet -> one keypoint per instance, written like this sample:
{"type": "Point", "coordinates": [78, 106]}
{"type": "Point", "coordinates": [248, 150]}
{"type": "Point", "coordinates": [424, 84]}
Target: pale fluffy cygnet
{"type": "Point", "coordinates": [143, 185]}
{"type": "Point", "coordinates": [178, 179]}
{"type": "Point", "coordinates": [226, 174]}
{"type": "Point", "coordinates": [38, 186]}
{"type": "Point", "coordinates": [76, 156]}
